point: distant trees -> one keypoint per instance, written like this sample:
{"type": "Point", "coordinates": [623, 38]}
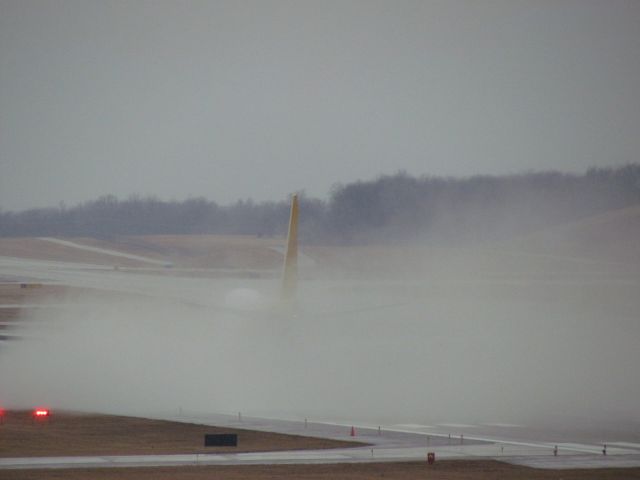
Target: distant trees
{"type": "Point", "coordinates": [396, 207]}
{"type": "Point", "coordinates": [478, 208]}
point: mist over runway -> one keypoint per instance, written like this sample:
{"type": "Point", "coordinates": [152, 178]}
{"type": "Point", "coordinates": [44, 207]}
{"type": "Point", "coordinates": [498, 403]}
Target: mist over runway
{"type": "Point", "coordinates": [458, 349]}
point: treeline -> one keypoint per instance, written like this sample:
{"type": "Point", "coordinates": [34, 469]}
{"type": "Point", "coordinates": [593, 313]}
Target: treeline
{"type": "Point", "coordinates": [396, 207]}
{"type": "Point", "coordinates": [108, 216]}
{"type": "Point", "coordinates": [479, 208]}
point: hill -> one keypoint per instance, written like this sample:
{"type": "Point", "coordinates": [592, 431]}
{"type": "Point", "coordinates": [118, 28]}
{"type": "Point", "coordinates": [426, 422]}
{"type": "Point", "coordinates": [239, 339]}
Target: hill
{"type": "Point", "coordinates": [612, 236]}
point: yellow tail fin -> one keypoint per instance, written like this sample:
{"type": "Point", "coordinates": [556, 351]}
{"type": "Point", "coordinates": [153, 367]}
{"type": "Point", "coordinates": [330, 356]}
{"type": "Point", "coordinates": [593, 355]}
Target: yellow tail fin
{"type": "Point", "coordinates": [290, 271]}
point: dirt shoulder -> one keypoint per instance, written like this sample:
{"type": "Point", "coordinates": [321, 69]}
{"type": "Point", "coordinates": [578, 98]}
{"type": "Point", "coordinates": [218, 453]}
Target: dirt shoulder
{"type": "Point", "coordinates": [444, 470]}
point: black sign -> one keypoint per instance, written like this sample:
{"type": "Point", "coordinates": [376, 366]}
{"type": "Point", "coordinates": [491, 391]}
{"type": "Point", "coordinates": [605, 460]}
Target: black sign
{"type": "Point", "coordinates": [221, 440]}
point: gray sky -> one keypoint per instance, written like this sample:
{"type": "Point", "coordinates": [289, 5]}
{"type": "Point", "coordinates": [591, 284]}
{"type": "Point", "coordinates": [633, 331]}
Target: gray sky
{"type": "Point", "coordinates": [238, 99]}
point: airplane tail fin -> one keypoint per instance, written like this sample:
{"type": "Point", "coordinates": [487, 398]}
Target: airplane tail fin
{"type": "Point", "coordinates": [290, 271]}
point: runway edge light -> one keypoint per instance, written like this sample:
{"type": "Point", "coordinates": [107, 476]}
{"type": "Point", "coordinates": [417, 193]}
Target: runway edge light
{"type": "Point", "coordinates": [41, 413]}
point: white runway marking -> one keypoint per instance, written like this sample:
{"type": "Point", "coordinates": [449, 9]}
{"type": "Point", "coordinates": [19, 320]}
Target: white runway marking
{"type": "Point", "coordinates": [597, 449]}
{"type": "Point", "coordinates": [503, 425]}
{"type": "Point", "coordinates": [625, 445]}
{"type": "Point", "coordinates": [456, 425]}
{"type": "Point", "coordinates": [412, 425]}
{"type": "Point", "coordinates": [104, 251]}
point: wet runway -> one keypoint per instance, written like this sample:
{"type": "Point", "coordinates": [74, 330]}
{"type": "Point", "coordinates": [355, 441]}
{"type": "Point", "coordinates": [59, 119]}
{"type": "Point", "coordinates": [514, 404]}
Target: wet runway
{"type": "Point", "coordinates": [366, 342]}
{"type": "Point", "coordinates": [386, 444]}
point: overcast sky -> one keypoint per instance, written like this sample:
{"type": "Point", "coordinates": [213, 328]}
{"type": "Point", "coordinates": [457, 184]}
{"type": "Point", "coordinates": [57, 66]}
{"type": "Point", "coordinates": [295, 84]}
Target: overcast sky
{"type": "Point", "coordinates": [239, 99]}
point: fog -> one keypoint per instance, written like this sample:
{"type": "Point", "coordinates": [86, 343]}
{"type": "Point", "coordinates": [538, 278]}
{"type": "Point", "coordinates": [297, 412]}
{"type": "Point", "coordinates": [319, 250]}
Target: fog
{"type": "Point", "coordinates": [250, 100]}
{"type": "Point", "coordinates": [446, 346]}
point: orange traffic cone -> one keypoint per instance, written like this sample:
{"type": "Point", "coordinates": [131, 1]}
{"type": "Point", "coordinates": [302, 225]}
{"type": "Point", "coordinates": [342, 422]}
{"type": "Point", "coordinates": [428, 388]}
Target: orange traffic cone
{"type": "Point", "coordinates": [353, 431]}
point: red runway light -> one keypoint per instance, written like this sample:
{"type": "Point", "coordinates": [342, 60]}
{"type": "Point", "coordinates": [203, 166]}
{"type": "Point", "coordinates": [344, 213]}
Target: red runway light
{"type": "Point", "coordinates": [41, 412]}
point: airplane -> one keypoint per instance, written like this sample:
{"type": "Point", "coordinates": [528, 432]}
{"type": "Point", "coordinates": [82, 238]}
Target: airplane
{"type": "Point", "coordinates": [242, 300]}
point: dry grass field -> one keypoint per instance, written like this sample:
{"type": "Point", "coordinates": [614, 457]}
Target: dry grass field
{"type": "Point", "coordinates": [441, 470]}
{"type": "Point", "coordinates": [201, 251]}
{"type": "Point", "coordinates": [182, 251]}
{"type": "Point", "coordinates": [65, 434]}
{"type": "Point", "coordinates": [35, 248]}
{"type": "Point", "coordinates": [611, 236]}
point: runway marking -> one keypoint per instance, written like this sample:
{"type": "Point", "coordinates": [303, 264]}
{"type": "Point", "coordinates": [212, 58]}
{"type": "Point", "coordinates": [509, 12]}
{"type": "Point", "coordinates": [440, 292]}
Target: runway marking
{"type": "Point", "coordinates": [36, 305]}
{"type": "Point", "coordinates": [457, 425]}
{"type": "Point", "coordinates": [412, 425]}
{"type": "Point", "coordinates": [104, 251]}
{"type": "Point", "coordinates": [625, 445]}
{"type": "Point", "coordinates": [503, 425]}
